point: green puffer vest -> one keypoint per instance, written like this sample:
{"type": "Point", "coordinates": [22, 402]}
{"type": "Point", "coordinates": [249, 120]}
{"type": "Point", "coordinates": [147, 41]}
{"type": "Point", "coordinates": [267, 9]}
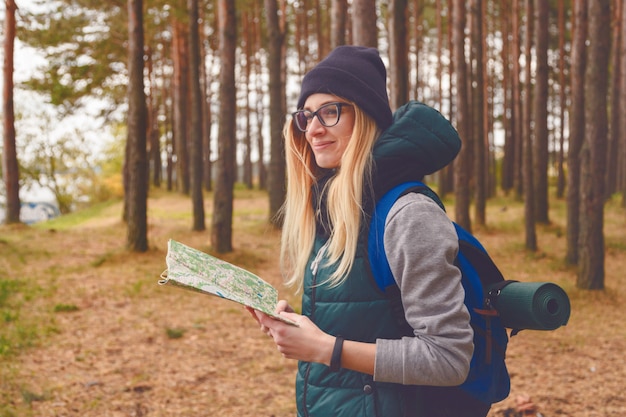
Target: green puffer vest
{"type": "Point", "coordinates": [356, 310]}
{"type": "Point", "coordinates": [419, 142]}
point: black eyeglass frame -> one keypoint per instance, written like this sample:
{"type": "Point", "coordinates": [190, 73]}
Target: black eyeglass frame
{"type": "Point", "coordinates": [311, 114]}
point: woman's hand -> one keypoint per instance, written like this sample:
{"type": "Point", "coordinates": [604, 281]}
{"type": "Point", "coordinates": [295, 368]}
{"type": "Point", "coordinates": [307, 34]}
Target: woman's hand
{"type": "Point", "coordinates": [282, 306]}
{"type": "Point", "coordinates": [305, 342]}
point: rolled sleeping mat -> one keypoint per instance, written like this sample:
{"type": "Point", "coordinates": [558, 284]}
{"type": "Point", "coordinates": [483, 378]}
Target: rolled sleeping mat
{"type": "Point", "coordinates": [531, 305]}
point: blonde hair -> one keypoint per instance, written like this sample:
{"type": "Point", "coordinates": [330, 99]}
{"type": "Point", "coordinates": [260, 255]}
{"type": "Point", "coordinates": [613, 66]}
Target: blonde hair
{"type": "Point", "coordinates": [345, 196]}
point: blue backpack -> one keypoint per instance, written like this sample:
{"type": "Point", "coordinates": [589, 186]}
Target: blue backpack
{"type": "Point", "coordinates": [488, 379]}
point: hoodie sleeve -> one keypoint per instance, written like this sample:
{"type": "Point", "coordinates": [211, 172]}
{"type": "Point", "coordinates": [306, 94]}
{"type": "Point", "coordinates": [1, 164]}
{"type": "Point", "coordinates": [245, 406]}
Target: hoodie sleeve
{"type": "Point", "coordinates": [421, 246]}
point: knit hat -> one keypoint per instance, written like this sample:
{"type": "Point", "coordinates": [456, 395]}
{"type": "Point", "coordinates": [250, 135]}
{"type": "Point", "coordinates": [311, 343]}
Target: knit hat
{"type": "Point", "coordinates": [355, 73]}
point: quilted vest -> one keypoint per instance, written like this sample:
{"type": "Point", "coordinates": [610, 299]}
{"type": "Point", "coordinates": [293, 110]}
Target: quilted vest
{"type": "Point", "coordinates": [358, 311]}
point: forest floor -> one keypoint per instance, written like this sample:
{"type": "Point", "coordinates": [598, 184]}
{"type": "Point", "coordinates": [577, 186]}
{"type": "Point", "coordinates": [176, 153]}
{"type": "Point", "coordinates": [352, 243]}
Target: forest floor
{"type": "Point", "coordinates": [88, 332]}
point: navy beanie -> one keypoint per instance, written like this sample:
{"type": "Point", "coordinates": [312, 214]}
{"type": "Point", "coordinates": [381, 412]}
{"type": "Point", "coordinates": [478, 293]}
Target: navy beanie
{"type": "Point", "coordinates": [355, 73]}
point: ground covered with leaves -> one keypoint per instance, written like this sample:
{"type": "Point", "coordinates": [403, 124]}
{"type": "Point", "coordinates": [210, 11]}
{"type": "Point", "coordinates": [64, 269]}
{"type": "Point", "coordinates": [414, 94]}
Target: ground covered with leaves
{"type": "Point", "coordinates": [87, 330]}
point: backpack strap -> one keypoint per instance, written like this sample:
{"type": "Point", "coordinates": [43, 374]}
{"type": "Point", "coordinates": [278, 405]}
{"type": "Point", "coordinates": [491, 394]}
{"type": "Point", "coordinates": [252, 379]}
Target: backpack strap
{"type": "Point", "coordinates": [376, 241]}
{"type": "Point", "coordinates": [476, 254]}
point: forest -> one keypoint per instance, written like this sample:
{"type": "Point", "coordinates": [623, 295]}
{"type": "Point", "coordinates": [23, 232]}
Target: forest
{"type": "Point", "coordinates": [173, 112]}
{"type": "Point", "coordinates": [204, 87]}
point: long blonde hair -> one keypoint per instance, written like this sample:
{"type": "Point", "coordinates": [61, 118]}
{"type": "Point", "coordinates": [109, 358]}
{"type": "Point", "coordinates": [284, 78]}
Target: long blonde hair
{"type": "Point", "coordinates": [345, 197]}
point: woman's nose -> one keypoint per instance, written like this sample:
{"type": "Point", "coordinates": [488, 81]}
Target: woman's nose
{"type": "Point", "coordinates": [315, 125]}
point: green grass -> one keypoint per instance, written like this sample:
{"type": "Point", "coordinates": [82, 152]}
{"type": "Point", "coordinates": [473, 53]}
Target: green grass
{"type": "Point", "coordinates": [175, 333]}
{"type": "Point", "coordinates": [65, 308]}
{"type": "Point", "coordinates": [74, 219]}
{"type": "Point", "coordinates": [18, 328]}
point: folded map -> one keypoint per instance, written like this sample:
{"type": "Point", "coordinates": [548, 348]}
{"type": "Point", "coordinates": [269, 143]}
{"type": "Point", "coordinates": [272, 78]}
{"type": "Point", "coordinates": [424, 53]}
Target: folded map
{"type": "Point", "coordinates": [195, 270]}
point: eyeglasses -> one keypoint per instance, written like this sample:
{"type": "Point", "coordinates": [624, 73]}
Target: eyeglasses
{"type": "Point", "coordinates": [328, 115]}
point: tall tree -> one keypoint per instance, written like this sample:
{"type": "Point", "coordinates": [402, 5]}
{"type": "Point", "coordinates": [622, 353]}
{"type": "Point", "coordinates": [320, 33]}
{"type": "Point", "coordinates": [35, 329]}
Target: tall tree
{"type": "Point", "coordinates": [246, 75]}
{"type": "Point", "coordinates": [10, 167]}
{"type": "Point", "coordinates": [527, 137]}
{"type": "Point", "coordinates": [321, 18]}
{"type": "Point", "coordinates": [576, 128]}
{"type": "Point", "coordinates": [540, 120]}
{"type": "Point", "coordinates": [222, 224]}
{"type": "Point", "coordinates": [338, 18]}
{"type": "Point", "coordinates": [398, 58]}
{"type": "Point", "coordinates": [508, 119]}
{"type": "Point", "coordinates": [562, 86]}
{"type": "Point", "coordinates": [180, 56]}
{"type": "Point", "coordinates": [276, 180]}
{"type": "Point", "coordinates": [364, 26]}
{"type": "Point", "coordinates": [445, 176]}
{"type": "Point", "coordinates": [516, 94]}
{"type": "Point", "coordinates": [197, 117]}
{"type": "Point", "coordinates": [153, 134]}
{"type": "Point", "coordinates": [259, 89]}
{"type": "Point", "coordinates": [206, 57]}
{"type": "Point", "coordinates": [301, 35]}
{"type": "Point", "coordinates": [462, 163]}
{"type": "Point", "coordinates": [439, 51]}
{"type": "Point", "coordinates": [136, 196]}
{"type": "Point", "coordinates": [478, 114]}
{"type": "Point", "coordinates": [593, 152]}
{"type": "Point", "coordinates": [622, 114]}
{"type": "Point", "coordinates": [615, 92]}
{"type": "Point", "coordinates": [416, 17]}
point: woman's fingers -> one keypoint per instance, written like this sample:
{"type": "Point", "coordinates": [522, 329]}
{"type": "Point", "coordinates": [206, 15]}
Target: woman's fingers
{"type": "Point", "coordinates": [258, 316]}
{"type": "Point", "coordinates": [283, 306]}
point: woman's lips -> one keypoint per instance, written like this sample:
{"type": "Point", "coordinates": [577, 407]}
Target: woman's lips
{"type": "Point", "coordinates": [321, 145]}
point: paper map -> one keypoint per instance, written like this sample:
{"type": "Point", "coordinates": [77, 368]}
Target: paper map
{"type": "Point", "coordinates": [198, 271]}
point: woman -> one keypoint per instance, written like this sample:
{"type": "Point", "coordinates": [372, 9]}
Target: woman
{"type": "Point", "coordinates": [345, 149]}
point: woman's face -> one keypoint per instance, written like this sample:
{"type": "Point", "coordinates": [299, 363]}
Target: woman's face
{"type": "Point", "coordinates": [328, 143]}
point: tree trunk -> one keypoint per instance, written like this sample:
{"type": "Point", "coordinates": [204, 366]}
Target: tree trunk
{"type": "Point", "coordinates": [508, 120]}
{"type": "Point", "coordinates": [622, 164]}
{"type": "Point", "coordinates": [364, 28]}
{"type": "Point", "coordinates": [445, 178]}
{"type": "Point", "coordinates": [222, 225]}
{"type": "Point", "coordinates": [321, 29]}
{"type": "Point", "coordinates": [615, 92]}
{"type": "Point", "coordinates": [338, 17]}
{"type": "Point", "coordinates": [540, 122]}
{"type": "Point", "coordinates": [137, 158]}
{"type": "Point", "coordinates": [276, 180]}
{"type": "Point", "coordinates": [560, 184]}
{"type": "Point", "coordinates": [439, 52]}
{"type": "Point", "coordinates": [246, 83]}
{"type": "Point", "coordinates": [196, 136]}
{"type": "Point", "coordinates": [593, 153]}
{"type": "Point", "coordinates": [166, 112]}
{"type": "Point", "coordinates": [181, 105]}
{"type": "Point", "coordinates": [529, 189]}
{"type": "Point", "coordinates": [301, 35]}
{"type": "Point", "coordinates": [417, 35]}
{"type": "Point", "coordinates": [153, 135]}
{"type": "Point", "coordinates": [10, 166]}
{"type": "Point", "coordinates": [398, 59]}
{"type": "Point", "coordinates": [260, 109]}
{"type": "Point", "coordinates": [169, 138]}
{"type": "Point", "coordinates": [461, 164]}
{"type": "Point", "coordinates": [518, 119]}
{"type": "Point", "coordinates": [576, 128]}
{"type": "Point", "coordinates": [207, 165]}
{"type": "Point", "coordinates": [478, 114]}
